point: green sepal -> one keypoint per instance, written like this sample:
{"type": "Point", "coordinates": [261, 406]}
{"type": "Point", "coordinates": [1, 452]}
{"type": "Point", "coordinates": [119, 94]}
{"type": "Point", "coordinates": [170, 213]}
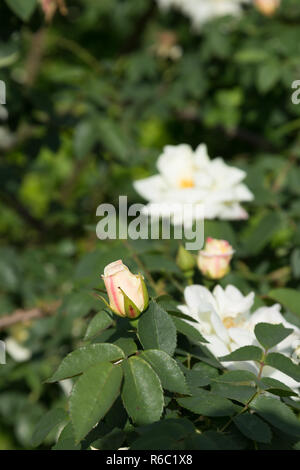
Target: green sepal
{"type": "Point", "coordinates": [145, 291]}
{"type": "Point", "coordinates": [108, 306]}
{"type": "Point", "coordinates": [130, 308]}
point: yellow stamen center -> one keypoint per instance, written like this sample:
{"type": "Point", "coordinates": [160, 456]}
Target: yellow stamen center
{"type": "Point", "coordinates": [186, 183]}
{"type": "Point", "coordinates": [229, 322]}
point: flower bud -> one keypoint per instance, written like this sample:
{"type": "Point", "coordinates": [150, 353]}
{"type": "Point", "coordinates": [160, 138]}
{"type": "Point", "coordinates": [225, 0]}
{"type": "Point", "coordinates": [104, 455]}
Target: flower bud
{"type": "Point", "coordinates": [214, 259]}
{"type": "Point", "coordinates": [267, 7]}
{"type": "Point", "coordinates": [185, 260]}
{"type": "Point", "coordinates": [127, 292]}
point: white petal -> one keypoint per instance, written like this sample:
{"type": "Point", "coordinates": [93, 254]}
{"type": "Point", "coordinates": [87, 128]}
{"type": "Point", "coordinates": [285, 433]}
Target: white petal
{"type": "Point", "coordinates": [199, 299]}
{"type": "Point", "coordinates": [241, 336]}
{"type": "Point", "coordinates": [233, 211]}
{"type": "Point", "coordinates": [201, 157]}
{"type": "Point", "coordinates": [176, 163]}
{"type": "Point", "coordinates": [216, 346]}
{"type": "Point", "coordinates": [242, 193]}
{"type": "Point", "coordinates": [219, 327]}
{"type": "Point", "coordinates": [151, 189]}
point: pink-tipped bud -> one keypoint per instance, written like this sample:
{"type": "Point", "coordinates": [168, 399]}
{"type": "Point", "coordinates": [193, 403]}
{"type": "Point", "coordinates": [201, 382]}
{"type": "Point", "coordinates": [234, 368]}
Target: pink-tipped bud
{"type": "Point", "coordinates": [127, 292]}
{"type": "Point", "coordinates": [214, 259]}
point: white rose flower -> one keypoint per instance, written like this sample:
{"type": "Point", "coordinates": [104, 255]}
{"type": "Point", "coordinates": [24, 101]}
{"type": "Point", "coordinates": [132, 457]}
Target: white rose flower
{"type": "Point", "coordinates": [224, 319]}
{"type": "Point", "coordinates": [187, 176]}
{"type": "Point", "coordinates": [201, 11]}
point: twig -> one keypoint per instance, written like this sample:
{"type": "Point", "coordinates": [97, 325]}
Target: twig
{"type": "Point", "coordinates": [22, 316]}
{"type": "Point", "coordinates": [34, 59]}
{"type": "Point", "coordinates": [242, 410]}
{"type": "Point", "coordinates": [83, 54]}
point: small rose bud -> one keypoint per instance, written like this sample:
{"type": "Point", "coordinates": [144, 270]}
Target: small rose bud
{"type": "Point", "coordinates": [185, 260]}
{"type": "Point", "coordinates": [215, 259]}
{"type": "Point", "coordinates": [267, 7]}
{"type": "Point", "coordinates": [127, 292]}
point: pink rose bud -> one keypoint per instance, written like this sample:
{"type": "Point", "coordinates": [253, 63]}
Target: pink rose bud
{"type": "Point", "coordinates": [127, 292]}
{"type": "Point", "coordinates": [267, 7]}
{"type": "Point", "coordinates": [214, 259]}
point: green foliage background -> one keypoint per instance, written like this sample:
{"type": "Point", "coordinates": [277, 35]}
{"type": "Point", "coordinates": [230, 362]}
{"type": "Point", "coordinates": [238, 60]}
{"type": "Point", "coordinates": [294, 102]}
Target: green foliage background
{"type": "Point", "coordinates": [91, 104]}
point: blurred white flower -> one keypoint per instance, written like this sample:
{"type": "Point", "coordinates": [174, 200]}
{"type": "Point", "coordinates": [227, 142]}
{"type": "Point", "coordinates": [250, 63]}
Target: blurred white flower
{"type": "Point", "coordinates": [188, 177]}
{"type": "Point", "coordinates": [16, 351]}
{"type": "Point", "coordinates": [201, 11]}
{"type": "Point", "coordinates": [224, 319]}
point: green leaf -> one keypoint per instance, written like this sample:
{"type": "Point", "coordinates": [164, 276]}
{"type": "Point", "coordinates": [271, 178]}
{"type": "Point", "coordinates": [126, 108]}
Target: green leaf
{"type": "Point", "coordinates": [92, 396]}
{"type": "Point", "coordinates": [268, 74]}
{"type": "Point", "coordinates": [195, 378]}
{"type": "Point", "coordinates": [188, 330]}
{"type": "Point", "coordinates": [295, 404]}
{"type": "Point", "coordinates": [289, 298]}
{"type": "Point", "coordinates": [208, 404]}
{"type": "Point", "coordinates": [85, 137]}
{"type": "Point", "coordinates": [100, 322]}
{"type": "Point", "coordinates": [213, 440]}
{"type": "Point", "coordinates": [269, 335]}
{"type": "Point", "coordinates": [168, 371]}
{"type": "Point", "coordinates": [48, 421]}
{"type": "Point", "coordinates": [66, 440]}
{"type": "Point", "coordinates": [81, 359]}
{"type": "Point", "coordinates": [284, 364]}
{"type": "Point", "coordinates": [142, 393]}
{"type": "Point", "coordinates": [22, 8]}
{"type": "Point", "coordinates": [9, 53]}
{"type": "Point", "coordinates": [236, 376]}
{"type": "Point", "coordinates": [113, 138]}
{"type": "Point", "coordinates": [276, 387]}
{"type": "Point", "coordinates": [277, 414]}
{"type": "Point", "coordinates": [111, 441]}
{"type": "Point", "coordinates": [253, 427]}
{"type": "Point", "coordinates": [163, 435]}
{"type": "Point", "coordinates": [246, 353]}
{"type": "Point", "coordinates": [240, 393]}
{"type": "Point", "coordinates": [127, 345]}
{"type": "Point", "coordinates": [156, 330]}
{"type": "Point", "coordinates": [261, 234]}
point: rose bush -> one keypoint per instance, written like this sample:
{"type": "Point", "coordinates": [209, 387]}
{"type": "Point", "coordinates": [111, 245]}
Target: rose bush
{"type": "Point", "coordinates": [99, 98]}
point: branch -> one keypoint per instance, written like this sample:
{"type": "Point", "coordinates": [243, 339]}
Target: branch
{"type": "Point", "coordinates": [22, 316]}
{"type": "Point", "coordinates": [35, 56]}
